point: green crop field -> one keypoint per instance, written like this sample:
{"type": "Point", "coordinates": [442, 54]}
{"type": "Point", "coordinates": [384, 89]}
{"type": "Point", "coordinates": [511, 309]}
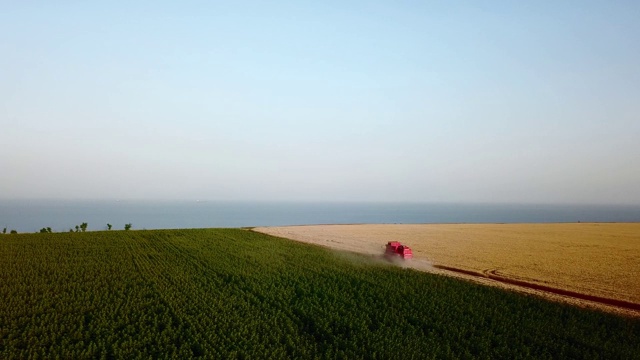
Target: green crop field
{"type": "Point", "coordinates": [232, 293]}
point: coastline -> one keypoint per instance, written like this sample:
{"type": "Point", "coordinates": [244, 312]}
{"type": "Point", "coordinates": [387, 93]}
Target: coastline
{"type": "Point", "coordinates": [60, 215]}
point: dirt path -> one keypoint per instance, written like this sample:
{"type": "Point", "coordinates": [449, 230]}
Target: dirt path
{"type": "Point", "coordinates": [589, 265]}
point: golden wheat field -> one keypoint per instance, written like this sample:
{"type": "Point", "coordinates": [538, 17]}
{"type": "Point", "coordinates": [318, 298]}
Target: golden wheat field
{"type": "Point", "coordinates": [599, 259]}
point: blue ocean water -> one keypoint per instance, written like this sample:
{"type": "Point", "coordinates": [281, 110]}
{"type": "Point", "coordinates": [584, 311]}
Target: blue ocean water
{"type": "Point", "coordinates": [32, 215]}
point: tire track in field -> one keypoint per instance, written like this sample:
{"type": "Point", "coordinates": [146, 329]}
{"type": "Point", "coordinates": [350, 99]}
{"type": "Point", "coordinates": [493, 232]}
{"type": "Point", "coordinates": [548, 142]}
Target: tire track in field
{"type": "Point", "coordinates": [175, 275]}
{"type": "Point", "coordinates": [168, 283]}
{"type": "Point", "coordinates": [139, 249]}
{"type": "Point", "coordinates": [184, 284]}
{"type": "Point", "coordinates": [193, 289]}
{"type": "Point", "coordinates": [494, 275]}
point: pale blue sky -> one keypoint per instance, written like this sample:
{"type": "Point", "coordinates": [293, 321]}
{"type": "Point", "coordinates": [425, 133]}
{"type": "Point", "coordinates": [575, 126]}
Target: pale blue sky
{"type": "Point", "coordinates": [477, 101]}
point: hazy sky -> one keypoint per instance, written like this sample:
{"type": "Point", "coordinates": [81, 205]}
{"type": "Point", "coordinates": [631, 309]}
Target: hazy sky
{"type": "Point", "coordinates": [469, 101]}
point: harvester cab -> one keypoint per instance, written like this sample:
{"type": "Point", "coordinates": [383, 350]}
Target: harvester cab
{"type": "Point", "coordinates": [395, 248]}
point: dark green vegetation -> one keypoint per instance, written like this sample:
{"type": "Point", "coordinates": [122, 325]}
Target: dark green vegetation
{"type": "Point", "coordinates": [237, 294]}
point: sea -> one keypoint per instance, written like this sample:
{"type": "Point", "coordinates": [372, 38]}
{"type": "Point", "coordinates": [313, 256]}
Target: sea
{"type": "Point", "coordinates": [61, 215]}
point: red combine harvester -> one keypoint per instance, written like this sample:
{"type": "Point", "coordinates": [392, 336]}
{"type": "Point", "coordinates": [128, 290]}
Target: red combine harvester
{"type": "Point", "coordinates": [394, 248]}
